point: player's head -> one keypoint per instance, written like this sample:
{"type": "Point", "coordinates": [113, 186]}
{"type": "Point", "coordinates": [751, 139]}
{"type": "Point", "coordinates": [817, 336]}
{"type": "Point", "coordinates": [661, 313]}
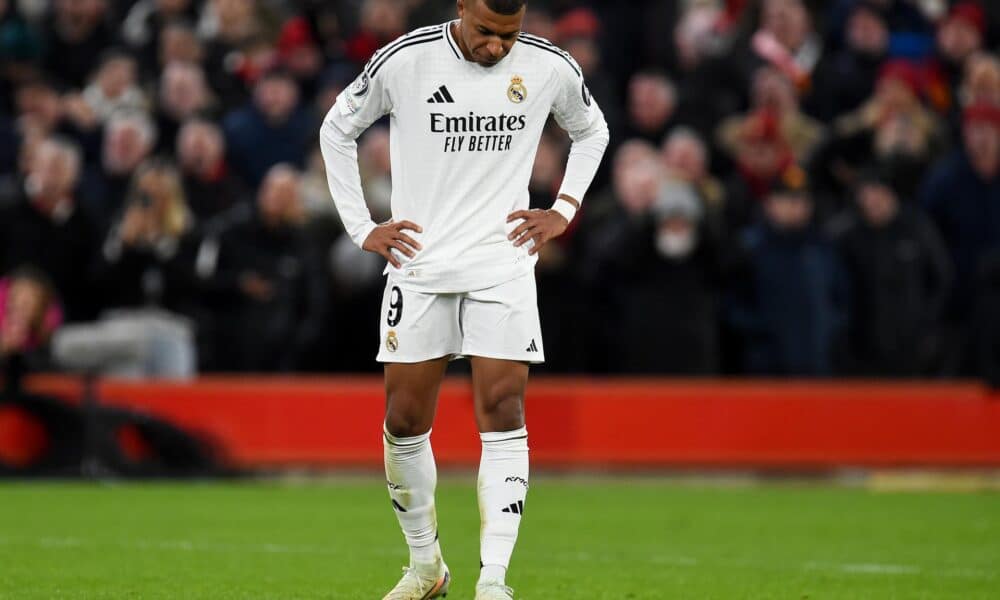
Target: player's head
{"type": "Point", "coordinates": [488, 28]}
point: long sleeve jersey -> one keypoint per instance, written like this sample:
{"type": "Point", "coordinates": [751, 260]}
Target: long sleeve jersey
{"type": "Point", "coordinates": [463, 139]}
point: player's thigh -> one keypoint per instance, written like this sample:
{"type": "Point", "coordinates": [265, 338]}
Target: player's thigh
{"type": "Point", "coordinates": [499, 388]}
{"type": "Point", "coordinates": [411, 394]}
{"type": "Point", "coordinates": [502, 322]}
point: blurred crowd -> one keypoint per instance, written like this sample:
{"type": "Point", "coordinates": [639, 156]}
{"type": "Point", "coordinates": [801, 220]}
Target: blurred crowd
{"type": "Point", "coordinates": [794, 187]}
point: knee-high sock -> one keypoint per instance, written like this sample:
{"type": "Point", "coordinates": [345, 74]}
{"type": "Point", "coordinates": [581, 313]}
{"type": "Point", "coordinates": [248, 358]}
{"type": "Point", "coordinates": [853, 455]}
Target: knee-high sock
{"type": "Point", "coordinates": [503, 487]}
{"type": "Point", "coordinates": [411, 476]}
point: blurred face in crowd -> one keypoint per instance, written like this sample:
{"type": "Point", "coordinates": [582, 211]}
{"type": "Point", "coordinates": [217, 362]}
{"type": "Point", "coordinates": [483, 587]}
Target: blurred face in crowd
{"type": "Point", "coordinates": [636, 184]}
{"type": "Point", "coordinates": [27, 302]}
{"type": "Point", "coordinates": [279, 198]}
{"type": "Point", "coordinates": [585, 52]}
{"type": "Point", "coordinates": [172, 7]}
{"type": "Point", "coordinates": [384, 18]}
{"type": "Point", "coordinates": [52, 175]}
{"type": "Point", "coordinates": [77, 18]}
{"type": "Point", "coordinates": [40, 105]}
{"type": "Point", "coordinates": [982, 80]}
{"type": "Point", "coordinates": [178, 43]}
{"type": "Point", "coordinates": [676, 237]}
{"type": "Point", "coordinates": [957, 39]}
{"type": "Point", "coordinates": [651, 101]}
{"type": "Point", "coordinates": [276, 97]}
{"type": "Point", "coordinates": [788, 212]}
{"type": "Point", "coordinates": [867, 33]}
{"type": "Point", "coordinates": [116, 75]}
{"type": "Point", "coordinates": [786, 20]}
{"type": "Point", "coordinates": [200, 148]}
{"type": "Point", "coordinates": [774, 91]}
{"type": "Point", "coordinates": [982, 144]}
{"type": "Point", "coordinates": [895, 95]}
{"type": "Point", "coordinates": [695, 34]}
{"type": "Point", "coordinates": [126, 144]}
{"type": "Point", "coordinates": [486, 37]}
{"type": "Point", "coordinates": [183, 90]}
{"type": "Point", "coordinates": [539, 22]}
{"type": "Point", "coordinates": [233, 15]}
{"type": "Point", "coordinates": [373, 151]}
{"type": "Point", "coordinates": [684, 158]}
{"type": "Point", "coordinates": [878, 203]}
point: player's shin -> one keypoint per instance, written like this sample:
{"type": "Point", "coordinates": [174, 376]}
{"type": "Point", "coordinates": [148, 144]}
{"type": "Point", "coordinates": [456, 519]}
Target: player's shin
{"type": "Point", "coordinates": [411, 476]}
{"type": "Point", "coordinates": [503, 487]}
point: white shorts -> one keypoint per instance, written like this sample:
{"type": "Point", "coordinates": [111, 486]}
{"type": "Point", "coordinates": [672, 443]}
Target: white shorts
{"type": "Point", "coordinates": [498, 322]}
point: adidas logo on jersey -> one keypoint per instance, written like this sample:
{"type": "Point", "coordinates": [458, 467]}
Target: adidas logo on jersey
{"type": "Point", "coordinates": [516, 508]}
{"type": "Point", "coordinates": [441, 96]}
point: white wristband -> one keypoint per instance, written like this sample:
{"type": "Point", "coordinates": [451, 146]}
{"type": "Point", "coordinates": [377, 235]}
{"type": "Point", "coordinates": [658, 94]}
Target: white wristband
{"type": "Point", "coordinates": [565, 208]}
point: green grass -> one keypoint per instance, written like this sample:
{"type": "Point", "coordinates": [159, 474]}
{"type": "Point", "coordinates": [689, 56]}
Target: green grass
{"type": "Point", "coordinates": [579, 540]}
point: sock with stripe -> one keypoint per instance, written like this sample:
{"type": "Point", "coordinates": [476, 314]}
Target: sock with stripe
{"type": "Point", "coordinates": [411, 477]}
{"type": "Point", "coordinates": [503, 487]}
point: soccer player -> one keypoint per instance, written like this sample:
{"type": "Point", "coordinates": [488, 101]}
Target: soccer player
{"type": "Point", "coordinates": [467, 101]}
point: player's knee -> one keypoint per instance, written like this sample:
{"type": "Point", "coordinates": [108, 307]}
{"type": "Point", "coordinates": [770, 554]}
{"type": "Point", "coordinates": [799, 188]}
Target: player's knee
{"type": "Point", "coordinates": [406, 416]}
{"type": "Point", "coordinates": [503, 405]}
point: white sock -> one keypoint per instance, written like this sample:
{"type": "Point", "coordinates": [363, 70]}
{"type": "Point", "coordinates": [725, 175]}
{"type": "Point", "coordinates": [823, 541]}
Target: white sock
{"type": "Point", "coordinates": [411, 477]}
{"type": "Point", "coordinates": [503, 486]}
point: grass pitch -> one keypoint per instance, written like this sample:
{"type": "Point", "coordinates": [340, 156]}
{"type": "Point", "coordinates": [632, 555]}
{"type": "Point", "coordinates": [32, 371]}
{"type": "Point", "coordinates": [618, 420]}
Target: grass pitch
{"type": "Point", "coordinates": [621, 539]}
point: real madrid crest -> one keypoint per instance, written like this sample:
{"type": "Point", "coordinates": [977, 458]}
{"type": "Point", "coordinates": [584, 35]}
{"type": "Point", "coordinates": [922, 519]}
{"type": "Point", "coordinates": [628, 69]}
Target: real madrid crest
{"type": "Point", "coordinates": [517, 93]}
{"type": "Point", "coordinates": [391, 341]}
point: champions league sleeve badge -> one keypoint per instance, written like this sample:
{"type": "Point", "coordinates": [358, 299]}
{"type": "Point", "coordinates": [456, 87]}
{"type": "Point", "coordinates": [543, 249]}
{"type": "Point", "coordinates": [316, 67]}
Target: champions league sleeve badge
{"type": "Point", "coordinates": [350, 101]}
{"type": "Point", "coordinates": [517, 93]}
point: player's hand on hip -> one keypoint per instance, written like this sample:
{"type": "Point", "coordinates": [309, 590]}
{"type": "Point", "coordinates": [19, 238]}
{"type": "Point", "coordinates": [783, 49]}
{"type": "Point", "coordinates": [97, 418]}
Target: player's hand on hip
{"type": "Point", "coordinates": [537, 225]}
{"type": "Point", "coordinates": [390, 235]}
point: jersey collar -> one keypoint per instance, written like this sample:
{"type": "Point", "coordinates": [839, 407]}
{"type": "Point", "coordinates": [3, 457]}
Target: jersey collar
{"type": "Point", "coordinates": [452, 43]}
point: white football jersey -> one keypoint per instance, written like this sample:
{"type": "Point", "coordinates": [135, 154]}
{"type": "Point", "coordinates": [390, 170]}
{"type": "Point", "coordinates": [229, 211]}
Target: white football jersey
{"type": "Point", "coordinates": [463, 139]}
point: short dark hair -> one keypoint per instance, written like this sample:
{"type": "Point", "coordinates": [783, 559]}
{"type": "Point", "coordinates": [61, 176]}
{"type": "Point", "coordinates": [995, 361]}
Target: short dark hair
{"type": "Point", "coordinates": [505, 7]}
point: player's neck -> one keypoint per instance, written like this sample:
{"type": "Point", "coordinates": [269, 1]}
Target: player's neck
{"type": "Point", "coordinates": [453, 28]}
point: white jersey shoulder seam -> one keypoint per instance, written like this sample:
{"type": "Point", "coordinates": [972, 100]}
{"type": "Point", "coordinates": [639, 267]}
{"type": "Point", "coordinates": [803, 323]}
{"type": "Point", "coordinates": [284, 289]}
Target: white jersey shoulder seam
{"type": "Point", "coordinates": [558, 57]}
{"type": "Point", "coordinates": [403, 45]}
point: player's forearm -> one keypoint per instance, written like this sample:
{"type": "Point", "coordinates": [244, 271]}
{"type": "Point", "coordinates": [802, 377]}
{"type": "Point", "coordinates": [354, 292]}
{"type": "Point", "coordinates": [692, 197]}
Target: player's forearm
{"type": "Point", "coordinates": [340, 153]}
{"type": "Point", "coordinates": [585, 157]}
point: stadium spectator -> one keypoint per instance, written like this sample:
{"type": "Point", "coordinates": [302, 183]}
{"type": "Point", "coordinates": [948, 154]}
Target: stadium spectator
{"type": "Point", "coordinates": [236, 50]}
{"type": "Point", "coordinates": [893, 127]}
{"type": "Point", "coordinates": [143, 26]}
{"type": "Point", "coordinates": [273, 129]}
{"type": "Point", "coordinates": [960, 34]}
{"type": "Point", "coordinates": [773, 92]}
{"type": "Point", "coordinates": [43, 226]}
{"type": "Point", "coordinates": [29, 314]}
{"type": "Point", "coordinates": [685, 158]}
{"type": "Point", "coordinates": [184, 94]}
{"type": "Point", "coordinates": [209, 184]}
{"type": "Point", "coordinates": [652, 100]}
{"type": "Point", "coordinates": [114, 86]}
{"type": "Point", "coordinates": [147, 258]}
{"type": "Point", "coordinates": [178, 43]}
{"type": "Point", "coordinates": [280, 276]}
{"type": "Point", "coordinates": [962, 196]}
{"type": "Point", "coordinates": [901, 277]}
{"type": "Point", "coordinates": [129, 138]}
{"type": "Point", "coordinates": [379, 22]}
{"type": "Point", "coordinates": [663, 272]}
{"type": "Point", "coordinates": [790, 305]}
{"type": "Point", "coordinates": [74, 37]}
{"type": "Point", "coordinates": [760, 153]}
{"type": "Point", "coordinates": [845, 79]}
